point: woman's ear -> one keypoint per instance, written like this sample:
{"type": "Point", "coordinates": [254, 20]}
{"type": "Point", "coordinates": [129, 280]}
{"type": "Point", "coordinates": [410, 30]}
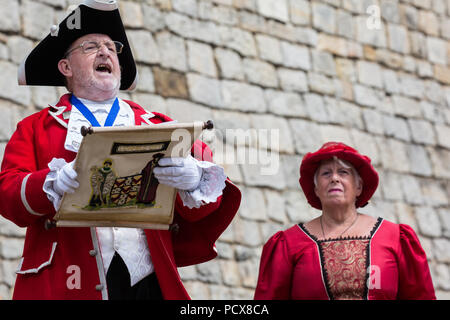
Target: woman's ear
{"type": "Point", "coordinates": [64, 68]}
{"type": "Point", "coordinates": [359, 187]}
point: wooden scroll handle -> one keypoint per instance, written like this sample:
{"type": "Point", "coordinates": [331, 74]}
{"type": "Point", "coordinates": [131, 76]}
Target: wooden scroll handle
{"type": "Point", "coordinates": [208, 125]}
{"type": "Point", "coordinates": [86, 130]}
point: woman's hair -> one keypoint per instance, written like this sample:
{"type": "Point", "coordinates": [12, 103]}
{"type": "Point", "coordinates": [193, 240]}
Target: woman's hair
{"type": "Point", "coordinates": [346, 165]}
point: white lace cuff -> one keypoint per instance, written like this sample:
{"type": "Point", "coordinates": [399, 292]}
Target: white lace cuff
{"type": "Point", "coordinates": [54, 165]}
{"type": "Point", "coordinates": [209, 189]}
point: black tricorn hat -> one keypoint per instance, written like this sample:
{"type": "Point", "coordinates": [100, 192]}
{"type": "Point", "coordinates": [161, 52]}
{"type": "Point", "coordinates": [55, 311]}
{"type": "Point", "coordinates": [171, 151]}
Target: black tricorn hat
{"type": "Point", "coordinates": [40, 68]}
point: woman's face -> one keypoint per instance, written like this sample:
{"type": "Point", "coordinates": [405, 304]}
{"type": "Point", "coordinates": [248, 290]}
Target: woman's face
{"type": "Point", "coordinates": [336, 184]}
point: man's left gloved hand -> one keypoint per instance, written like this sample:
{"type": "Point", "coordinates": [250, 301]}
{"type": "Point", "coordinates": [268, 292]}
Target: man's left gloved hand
{"type": "Point", "coordinates": [180, 173]}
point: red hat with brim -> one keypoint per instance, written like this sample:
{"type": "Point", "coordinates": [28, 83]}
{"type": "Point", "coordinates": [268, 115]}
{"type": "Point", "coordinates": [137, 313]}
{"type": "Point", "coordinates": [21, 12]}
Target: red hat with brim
{"type": "Point", "coordinates": [311, 162]}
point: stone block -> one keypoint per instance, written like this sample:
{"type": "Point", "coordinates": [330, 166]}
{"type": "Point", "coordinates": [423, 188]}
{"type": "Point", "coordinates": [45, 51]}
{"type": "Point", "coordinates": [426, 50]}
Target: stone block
{"type": "Point", "coordinates": [306, 135]}
{"type": "Point", "coordinates": [143, 46]}
{"type": "Point", "coordinates": [369, 74]}
{"type": "Point", "coordinates": [367, 34]}
{"type": "Point", "coordinates": [269, 48]}
{"type": "Point", "coordinates": [247, 272]}
{"type": "Point", "coordinates": [131, 14]}
{"type": "Point", "coordinates": [406, 107]}
{"type": "Point", "coordinates": [405, 214]}
{"type": "Point", "coordinates": [345, 24]}
{"type": "Point", "coordinates": [437, 50]}
{"type": "Point", "coordinates": [365, 144]}
{"type": "Point", "coordinates": [239, 40]}
{"type": "Point", "coordinates": [10, 15]}
{"type": "Point", "coordinates": [443, 135]}
{"type": "Point", "coordinates": [411, 86]}
{"type": "Point", "coordinates": [146, 82]}
{"type": "Point", "coordinates": [419, 161]}
{"type": "Point", "coordinates": [398, 38]}
{"type": "Point", "coordinates": [418, 44]}
{"type": "Point", "coordinates": [442, 74]}
{"type": "Point", "coordinates": [297, 208]}
{"type": "Point", "coordinates": [336, 133]}
{"type": "Point", "coordinates": [367, 96]}
{"type": "Point", "coordinates": [412, 192]}
{"type": "Point", "coordinates": [323, 62]}
{"type": "Point", "coordinates": [170, 83]}
{"type": "Point", "coordinates": [434, 193]}
{"type": "Point", "coordinates": [266, 172]}
{"type": "Point", "coordinates": [285, 103]}
{"type": "Point", "coordinates": [440, 159]}
{"type": "Point", "coordinates": [205, 90]}
{"type": "Point", "coordinates": [209, 272]}
{"type": "Point", "coordinates": [390, 185]}
{"type": "Point", "coordinates": [11, 248]}
{"type": "Point", "coordinates": [19, 47]}
{"type": "Point", "coordinates": [37, 19]}
{"type": "Point", "coordinates": [292, 80]}
{"type": "Point", "coordinates": [186, 27]}
{"type": "Point", "coordinates": [266, 125]}
{"type": "Point", "coordinates": [275, 206]}
{"type": "Point", "coordinates": [9, 88]}
{"type": "Point", "coordinates": [247, 232]}
{"type": "Point", "coordinates": [409, 16]}
{"type": "Point", "coordinates": [243, 97]}
{"type": "Point", "coordinates": [295, 56]}
{"type": "Point", "coordinates": [316, 107]}
{"type": "Point", "coordinates": [230, 272]}
{"type": "Point", "coordinates": [373, 121]}
{"type": "Point", "coordinates": [201, 58]}
{"type": "Point", "coordinates": [230, 64]}
{"type": "Point", "coordinates": [390, 11]}
{"type": "Point", "coordinates": [153, 18]}
{"type": "Point", "coordinates": [428, 23]}
{"type": "Point", "coordinates": [422, 131]}
{"type": "Point", "coordinates": [188, 7]}
{"type": "Point", "coordinates": [277, 10]}
{"type": "Point", "coordinates": [300, 12]}
{"type": "Point", "coordinates": [260, 73]}
{"type": "Point", "coordinates": [323, 17]}
{"type": "Point", "coordinates": [253, 204]}
{"type": "Point", "coordinates": [444, 217]}
{"type": "Point", "coordinates": [174, 56]}
{"type": "Point", "coordinates": [396, 127]}
{"type": "Point", "coordinates": [390, 81]}
{"type": "Point", "coordinates": [186, 111]}
{"type": "Point", "coordinates": [322, 84]}
{"type": "Point", "coordinates": [428, 220]}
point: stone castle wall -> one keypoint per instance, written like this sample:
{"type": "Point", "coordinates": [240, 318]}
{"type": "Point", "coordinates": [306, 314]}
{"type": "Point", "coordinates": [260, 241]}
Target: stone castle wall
{"type": "Point", "coordinates": [372, 73]}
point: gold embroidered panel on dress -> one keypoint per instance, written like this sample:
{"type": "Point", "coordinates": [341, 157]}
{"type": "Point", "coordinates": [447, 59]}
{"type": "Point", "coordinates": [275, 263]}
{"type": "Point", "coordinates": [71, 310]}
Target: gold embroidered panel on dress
{"type": "Point", "coordinates": [345, 266]}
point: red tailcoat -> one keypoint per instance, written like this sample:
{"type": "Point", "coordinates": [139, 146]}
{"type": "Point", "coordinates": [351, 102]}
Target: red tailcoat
{"type": "Point", "coordinates": [52, 258]}
{"type": "Point", "coordinates": [292, 266]}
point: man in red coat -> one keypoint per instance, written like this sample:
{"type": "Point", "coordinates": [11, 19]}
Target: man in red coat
{"type": "Point", "coordinates": [94, 60]}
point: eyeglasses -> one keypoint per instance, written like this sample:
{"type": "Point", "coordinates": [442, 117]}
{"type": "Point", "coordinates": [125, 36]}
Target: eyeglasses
{"type": "Point", "coordinates": [93, 47]}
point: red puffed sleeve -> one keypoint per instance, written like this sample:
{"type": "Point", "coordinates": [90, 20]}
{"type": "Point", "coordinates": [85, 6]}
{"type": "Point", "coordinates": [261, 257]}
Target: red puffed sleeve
{"type": "Point", "coordinates": [275, 270]}
{"type": "Point", "coordinates": [414, 274]}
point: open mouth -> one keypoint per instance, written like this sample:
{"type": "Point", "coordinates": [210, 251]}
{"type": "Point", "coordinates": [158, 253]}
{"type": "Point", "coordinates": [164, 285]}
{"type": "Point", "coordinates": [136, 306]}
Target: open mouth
{"type": "Point", "coordinates": [334, 190]}
{"type": "Point", "coordinates": [103, 68]}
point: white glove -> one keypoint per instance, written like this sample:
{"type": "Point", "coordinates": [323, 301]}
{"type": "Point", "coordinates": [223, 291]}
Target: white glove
{"type": "Point", "coordinates": [180, 173]}
{"type": "Point", "coordinates": [65, 179]}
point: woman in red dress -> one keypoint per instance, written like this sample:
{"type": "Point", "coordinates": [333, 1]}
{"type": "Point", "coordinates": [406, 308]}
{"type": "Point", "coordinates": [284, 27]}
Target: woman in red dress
{"type": "Point", "coordinates": [343, 254]}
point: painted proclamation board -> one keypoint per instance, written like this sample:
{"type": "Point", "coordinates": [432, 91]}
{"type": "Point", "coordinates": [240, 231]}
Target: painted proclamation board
{"type": "Point", "coordinates": [115, 171]}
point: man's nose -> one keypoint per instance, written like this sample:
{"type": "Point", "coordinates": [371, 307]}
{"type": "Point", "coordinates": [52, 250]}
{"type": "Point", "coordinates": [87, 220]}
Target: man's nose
{"type": "Point", "coordinates": [103, 50]}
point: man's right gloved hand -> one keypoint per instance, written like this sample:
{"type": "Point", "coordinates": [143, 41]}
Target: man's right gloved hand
{"type": "Point", "coordinates": [65, 180]}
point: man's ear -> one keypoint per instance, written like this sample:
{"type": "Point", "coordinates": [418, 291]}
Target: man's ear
{"type": "Point", "coordinates": [64, 68]}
